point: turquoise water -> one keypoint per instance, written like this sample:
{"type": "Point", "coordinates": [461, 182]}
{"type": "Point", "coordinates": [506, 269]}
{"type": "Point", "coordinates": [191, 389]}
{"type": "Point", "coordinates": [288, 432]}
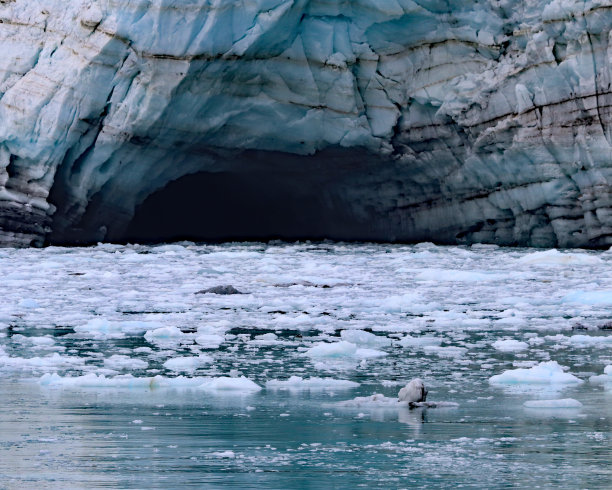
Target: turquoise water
{"type": "Point", "coordinates": [71, 436]}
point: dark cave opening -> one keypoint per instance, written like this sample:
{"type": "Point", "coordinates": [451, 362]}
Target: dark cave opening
{"type": "Point", "coordinates": [238, 206]}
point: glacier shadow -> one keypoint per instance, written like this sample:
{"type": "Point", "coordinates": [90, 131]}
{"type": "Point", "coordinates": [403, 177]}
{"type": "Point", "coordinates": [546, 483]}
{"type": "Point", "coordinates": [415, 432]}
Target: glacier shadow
{"type": "Point", "coordinates": [254, 205]}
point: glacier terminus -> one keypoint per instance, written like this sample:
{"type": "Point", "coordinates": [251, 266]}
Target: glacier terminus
{"type": "Point", "coordinates": [455, 121]}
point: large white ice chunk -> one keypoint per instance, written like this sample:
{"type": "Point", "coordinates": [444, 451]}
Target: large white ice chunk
{"type": "Point", "coordinates": [363, 338]}
{"type": "Point", "coordinates": [227, 384]}
{"type": "Point", "coordinates": [100, 328]}
{"type": "Point", "coordinates": [128, 381]}
{"type": "Point", "coordinates": [549, 372]}
{"type": "Point", "coordinates": [510, 345]}
{"type": "Point", "coordinates": [554, 257]}
{"type": "Point", "coordinates": [52, 362]}
{"type": "Point", "coordinates": [167, 335]}
{"type": "Point", "coordinates": [187, 364]}
{"type": "Point", "coordinates": [589, 297]}
{"type": "Point", "coordinates": [605, 378]}
{"type": "Point", "coordinates": [342, 349]}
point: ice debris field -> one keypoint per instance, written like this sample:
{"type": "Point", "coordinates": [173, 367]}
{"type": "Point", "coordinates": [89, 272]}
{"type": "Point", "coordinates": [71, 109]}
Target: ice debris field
{"type": "Point", "coordinates": [102, 347]}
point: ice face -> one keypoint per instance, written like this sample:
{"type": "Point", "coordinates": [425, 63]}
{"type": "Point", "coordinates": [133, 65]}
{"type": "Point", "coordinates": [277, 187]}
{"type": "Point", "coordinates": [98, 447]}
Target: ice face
{"type": "Point", "coordinates": [390, 120]}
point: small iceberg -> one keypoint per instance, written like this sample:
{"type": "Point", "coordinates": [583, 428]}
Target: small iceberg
{"type": "Point", "coordinates": [342, 350]}
{"type": "Point", "coordinates": [604, 378]}
{"type": "Point", "coordinates": [549, 372]}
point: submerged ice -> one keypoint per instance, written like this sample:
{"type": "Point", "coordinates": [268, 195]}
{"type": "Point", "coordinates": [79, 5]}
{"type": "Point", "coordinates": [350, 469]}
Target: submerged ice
{"type": "Point", "coordinates": [389, 120]}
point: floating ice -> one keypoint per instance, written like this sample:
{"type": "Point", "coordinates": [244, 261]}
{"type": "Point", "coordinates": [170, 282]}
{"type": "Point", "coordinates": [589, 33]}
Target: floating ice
{"type": "Point", "coordinates": [401, 303]}
{"type": "Point", "coordinates": [227, 384]}
{"type": "Point", "coordinates": [560, 403]}
{"type": "Point", "coordinates": [54, 361]}
{"type": "Point", "coordinates": [167, 335]}
{"type": "Point", "coordinates": [381, 401]}
{"type": "Point", "coordinates": [43, 341]}
{"type": "Point", "coordinates": [29, 303]}
{"type": "Point", "coordinates": [591, 341]}
{"type": "Point", "coordinates": [342, 349]}
{"type": "Point", "coordinates": [298, 383]}
{"type": "Point", "coordinates": [96, 381]}
{"type": "Point", "coordinates": [554, 257]}
{"type": "Point", "coordinates": [410, 341]}
{"type": "Point", "coordinates": [589, 297]}
{"type": "Point", "coordinates": [376, 400]}
{"type": "Point", "coordinates": [209, 340]}
{"type": "Point", "coordinates": [128, 381]}
{"type": "Point", "coordinates": [363, 338]}
{"type": "Point", "coordinates": [266, 339]}
{"type": "Point", "coordinates": [549, 372]}
{"type": "Point", "coordinates": [124, 362]}
{"type": "Point", "coordinates": [100, 328]}
{"type": "Point", "coordinates": [604, 378]}
{"type": "Point", "coordinates": [446, 351]}
{"type": "Point", "coordinates": [510, 345]}
{"type": "Point", "coordinates": [448, 275]}
{"type": "Point", "coordinates": [187, 364]}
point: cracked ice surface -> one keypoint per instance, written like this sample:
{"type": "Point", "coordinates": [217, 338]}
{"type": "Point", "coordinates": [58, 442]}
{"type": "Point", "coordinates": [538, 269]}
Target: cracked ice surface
{"type": "Point", "coordinates": [459, 122]}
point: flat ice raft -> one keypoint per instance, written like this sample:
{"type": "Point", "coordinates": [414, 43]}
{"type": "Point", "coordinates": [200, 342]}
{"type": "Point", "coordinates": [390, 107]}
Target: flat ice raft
{"type": "Point", "coordinates": [219, 384]}
{"type": "Point", "coordinates": [544, 373]}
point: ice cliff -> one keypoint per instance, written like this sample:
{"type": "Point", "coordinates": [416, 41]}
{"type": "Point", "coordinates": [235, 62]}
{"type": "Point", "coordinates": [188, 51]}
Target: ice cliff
{"type": "Point", "coordinates": [443, 120]}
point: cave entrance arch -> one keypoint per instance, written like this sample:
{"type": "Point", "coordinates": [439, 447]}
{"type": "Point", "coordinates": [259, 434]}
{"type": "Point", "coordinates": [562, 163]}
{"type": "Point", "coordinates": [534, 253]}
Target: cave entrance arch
{"type": "Point", "coordinates": [221, 206]}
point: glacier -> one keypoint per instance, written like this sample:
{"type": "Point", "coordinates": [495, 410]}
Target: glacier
{"type": "Point", "coordinates": [455, 121]}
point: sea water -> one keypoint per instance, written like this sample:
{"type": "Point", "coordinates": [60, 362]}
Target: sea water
{"type": "Point", "coordinates": [117, 371]}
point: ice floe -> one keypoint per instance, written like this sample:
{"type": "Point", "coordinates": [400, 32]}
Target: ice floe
{"type": "Point", "coordinates": [101, 328]}
{"type": "Point", "coordinates": [229, 384]}
{"type": "Point", "coordinates": [54, 361]}
{"type": "Point", "coordinates": [605, 378]}
{"type": "Point", "coordinates": [342, 349]}
{"type": "Point", "coordinates": [363, 338]}
{"type": "Point", "coordinates": [549, 372]}
{"type": "Point", "coordinates": [187, 364]}
{"type": "Point", "coordinates": [555, 257]}
{"type": "Point", "coordinates": [589, 297]}
{"type": "Point", "coordinates": [510, 345]}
